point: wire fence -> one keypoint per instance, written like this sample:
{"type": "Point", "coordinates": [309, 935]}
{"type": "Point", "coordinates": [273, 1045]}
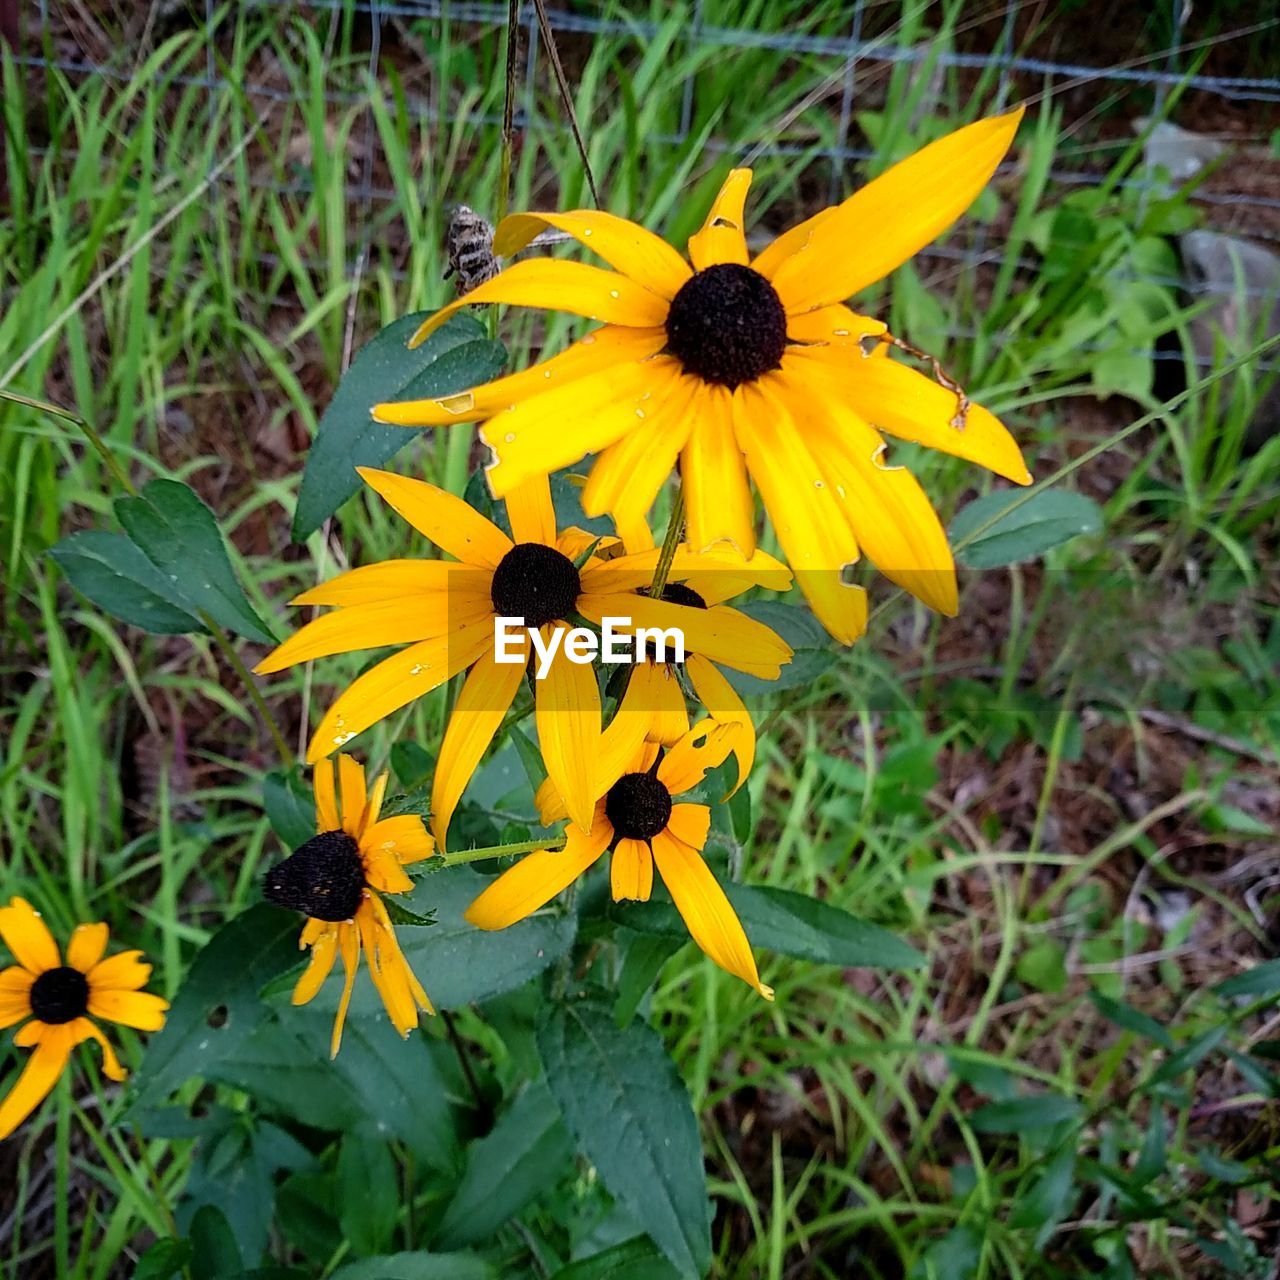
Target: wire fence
{"type": "Point", "coordinates": [848, 73]}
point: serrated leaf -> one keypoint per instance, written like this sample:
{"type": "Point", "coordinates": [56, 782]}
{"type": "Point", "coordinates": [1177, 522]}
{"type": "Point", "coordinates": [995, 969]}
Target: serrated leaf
{"type": "Point", "coordinates": [112, 573]}
{"type": "Point", "coordinates": [629, 1112]}
{"type": "Point", "coordinates": [290, 807]}
{"type": "Point", "coordinates": [1041, 1111]}
{"type": "Point", "coordinates": [180, 536]}
{"type": "Point", "coordinates": [1044, 521]}
{"type": "Point", "coordinates": [509, 1168]}
{"type": "Point", "coordinates": [456, 356]}
{"type": "Point", "coordinates": [401, 914]}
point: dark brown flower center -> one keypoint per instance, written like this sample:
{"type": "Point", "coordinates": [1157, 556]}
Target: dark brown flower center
{"type": "Point", "coordinates": [638, 806]}
{"type": "Point", "coordinates": [536, 583]}
{"type": "Point", "coordinates": [727, 325]}
{"type": "Point", "coordinates": [323, 878]}
{"type": "Point", "coordinates": [680, 593]}
{"type": "Point", "coordinates": [60, 995]}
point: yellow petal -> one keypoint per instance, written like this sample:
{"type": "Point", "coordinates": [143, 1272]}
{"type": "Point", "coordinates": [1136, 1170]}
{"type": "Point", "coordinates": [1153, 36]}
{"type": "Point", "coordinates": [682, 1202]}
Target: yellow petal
{"type": "Point", "coordinates": [912, 406]}
{"type": "Point", "coordinates": [626, 477]}
{"type": "Point", "coordinates": [486, 697]}
{"type": "Point", "coordinates": [382, 871]}
{"type": "Point", "coordinates": [82, 1029]}
{"type": "Point", "coordinates": [87, 946]}
{"type": "Point", "coordinates": [138, 1009]}
{"type": "Point", "coordinates": [388, 580]}
{"type": "Point", "coordinates": [324, 951]}
{"type": "Point", "coordinates": [351, 793]}
{"type": "Point", "coordinates": [625, 246]}
{"type": "Point", "coordinates": [538, 877]}
{"type": "Point", "coordinates": [565, 423]}
{"type": "Point", "coordinates": [403, 838]}
{"type": "Point", "coordinates": [835, 326]}
{"type": "Point", "coordinates": [806, 514]}
{"type": "Point", "coordinates": [706, 746]}
{"type": "Point", "coordinates": [711, 921]}
{"type": "Point", "coordinates": [715, 574]}
{"type": "Point", "coordinates": [783, 246]}
{"type": "Point", "coordinates": [28, 937]}
{"type": "Point", "coordinates": [396, 681]}
{"type": "Point", "coordinates": [382, 955]}
{"type": "Point", "coordinates": [717, 498]}
{"type": "Point", "coordinates": [349, 949]}
{"type": "Point", "coordinates": [660, 691]}
{"type": "Point", "coordinates": [723, 235]}
{"type": "Point", "coordinates": [600, 349]}
{"type": "Point", "coordinates": [567, 713]}
{"type": "Point", "coordinates": [550, 803]}
{"type": "Point", "coordinates": [620, 743]}
{"type": "Point", "coordinates": [531, 512]}
{"type": "Point", "coordinates": [327, 818]}
{"type": "Point", "coordinates": [723, 705]}
{"type": "Point", "coordinates": [891, 516]}
{"type": "Point", "coordinates": [373, 805]}
{"type": "Point", "coordinates": [15, 995]}
{"type": "Point", "coordinates": [690, 823]}
{"type": "Point", "coordinates": [38, 1077]}
{"type": "Point", "coordinates": [894, 216]}
{"type": "Point", "coordinates": [552, 284]}
{"type": "Point", "coordinates": [126, 971]}
{"type": "Point", "coordinates": [441, 517]}
{"type": "Point", "coordinates": [631, 871]}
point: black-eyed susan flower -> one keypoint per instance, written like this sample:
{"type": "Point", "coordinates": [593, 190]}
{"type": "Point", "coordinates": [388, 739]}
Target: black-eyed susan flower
{"type": "Point", "coordinates": [62, 999]}
{"type": "Point", "coordinates": [738, 366]}
{"type": "Point", "coordinates": [335, 879]}
{"type": "Point", "coordinates": [637, 818]}
{"type": "Point", "coordinates": [446, 613]}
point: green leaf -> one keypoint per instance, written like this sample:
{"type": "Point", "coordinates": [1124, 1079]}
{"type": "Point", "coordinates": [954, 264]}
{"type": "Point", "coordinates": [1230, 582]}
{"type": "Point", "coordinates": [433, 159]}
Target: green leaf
{"type": "Point", "coordinates": [460, 964]}
{"type": "Point", "coordinates": [1151, 1160]}
{"type": "Point", "coordinates": [1262, 980]}
{"type": "Point", "coordinates": [1122, 373]}
{"type": "Point", "coordinates": [812, 648]}
{"type": "Point", "coordinates": [456, 356]}
{"type": "Point", "coordinates": [1188, 1057]}
{"type": "Point", "coordinates": [214, 1251]}
{"type": "Point", "coordinates": [290, 806]}
{"type": "Point", "coordinates": [509, 1168]}
{"type": "Point", "coordinates": [112, 573]}
{"type": "Point", "coordinates": [368, 1193]}
{"type": "Point", "coordinates": [180, 536]}
{"type": "Point", "coordinates": [218, 1006]}
{"type": "Point", "coordinates": [412, 764]}
{"type": "Point", "coordinates": [163, 1260]}
{"type": "Point", "coordinates": [1043, 966]}
{"type": "Point", "coordinates": [646, 953]}
{"type": "Point", "coordinates": [1131, 1019]}
{"type": "Point", "coordinates": [1049, 1196]}
{"type": "Point", "coordinates": [419, 1266]}
{"type": "Point", "coordinates": [1044, 521]}
{"type": "Point", "coordinates": [400, 914]}
{"type": "Point", "coordinates": [1042, 1111]}
{"type": "Point", "coordinates": [636, 1259]}
{"type": "Point", "coordinates": [628, 1110]}
{"type": "Point", "coordinates": [955, 1257]}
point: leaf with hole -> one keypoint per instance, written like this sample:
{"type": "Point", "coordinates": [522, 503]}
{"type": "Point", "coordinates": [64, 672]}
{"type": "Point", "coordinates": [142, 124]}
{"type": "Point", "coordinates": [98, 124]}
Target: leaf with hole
{"type": "Point", "coordinates": [1037, 524]}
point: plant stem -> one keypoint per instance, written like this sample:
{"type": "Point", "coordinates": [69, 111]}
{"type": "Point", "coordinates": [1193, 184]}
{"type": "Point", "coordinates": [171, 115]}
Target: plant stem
{"type": "Point", "coordinates": [675, 529]}
{"type": "Point", "coordinates": [464, 1058]}
{"type": "Point", "coordinates": [552, 844]}
{"type": "Point", "coordinates": [90, 433]}
{"type": "Point", "coordinates": [221, 639]}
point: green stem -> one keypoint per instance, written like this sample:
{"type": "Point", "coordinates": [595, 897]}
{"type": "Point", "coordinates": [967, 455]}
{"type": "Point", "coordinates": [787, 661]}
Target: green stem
{"type": "Point", "coordinates": [62, 1174]}
{"type": "Point", "coordinates": [551, 844]}
{"type": "Point", "coordinates": [90, 433]}
{"type": "Point", "coordinates": [675, 530]}
{"type": "Point", "coordinates": [464, 1058]}
{"type": "Point", "coordinates": [229, 652]}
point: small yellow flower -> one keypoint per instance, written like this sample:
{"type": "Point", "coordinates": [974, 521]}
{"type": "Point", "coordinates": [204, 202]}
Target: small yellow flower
{"type": "Point", "coordinates": [740, 366]}
{"type": "Point", "coordinates": [335, 879]}
{"type": "Point", "coordinates": [636, 817]}
{"type": "Point", "coordinates": [445, 613]}
{"type": "Point", "coordinates": [63, 999]}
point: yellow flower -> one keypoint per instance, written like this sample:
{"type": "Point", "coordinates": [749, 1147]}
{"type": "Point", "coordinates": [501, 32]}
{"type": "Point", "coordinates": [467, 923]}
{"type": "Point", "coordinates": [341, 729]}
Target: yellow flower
{"type": "Point", "coordinates": [335, 879]}
{"type": "Point", "coordinates": [445, 613]}
{"type": "Point", "coordinates": [636, 817]}
{"type": "Point", "coordinates": [63, 999]}
{"type": "Point", "coordinates": [742, 366]}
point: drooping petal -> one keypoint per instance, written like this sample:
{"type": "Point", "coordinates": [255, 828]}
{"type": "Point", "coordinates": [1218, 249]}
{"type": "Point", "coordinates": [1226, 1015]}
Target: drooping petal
{"type": "Point", "coordinates": [631, 871]}
{"type": "Point", "coordinates": [711, 921]}
{"type": "Point", "coordinates": [387, 580]}
{"type": "Point", "coordinates": [403, 838]}
{"type": "Point", "coordinates": [717, 498]}
{"type": "Point", "coordinates": [322, 780]}
{"type": "Point", "coordinates": [690, 824]}
{"type": "Point", "coordinates": [912, 406]}
{"type": "Point", "coordinates": [38, 1077]}
{"type": "Point", "coordinates": [648, 260]}
{"type": "Point", "coordinates": [531, 512]}
{"type": "Point", "coordinates": [486, 697]}
{"type": "Point", "coordinates": [81, 1030]}
{"type": "Point", "coordinates": [447, 521]}
{"type": "Point", "coordinates": [706, 746]}
{"type": "Point", "coordinates": [723, 704]}
{"type": "Point", "coordinates": [395, 681]}
{"type": "Point", "coordinates": [600, 349]}
{"type": "Point", "coordinates": [806, 514]}
{"type": "Point", "coordinates": [538, 877]}
{"type": "Point", "coordinates": [351, 793]}
{"type": "Point", "coordinates": [349, 949]}
{"type": "Point", "coordinates": [138, 1009]}
{"type": "Point", "coordinates": [626, 477]}
{"type": "Point", "coordinates": [657, 690]}
{"type": "Point", "coordinates": [567, 714]}
{"type": "Point", "coordinates": [722, 237]}
{"type": "Point", "coordinates": [87, 945]}
{"type": "Point", "coordinates": [562, 425]}
{"type": "Point", "coordinates": [28, 937]}
{"type": "Point", "coordinates": [324, 951]}
{"type": "Point", "coordinates": [125, 971]}
{"type": "Point", "coordinates": [554, 284]}
{"type": "Point", "coordinates": [388, 978]}
{"type": "Point", "coordinates": [894, 216]}
{"type": "Point", "coordinates": [382, 870]}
